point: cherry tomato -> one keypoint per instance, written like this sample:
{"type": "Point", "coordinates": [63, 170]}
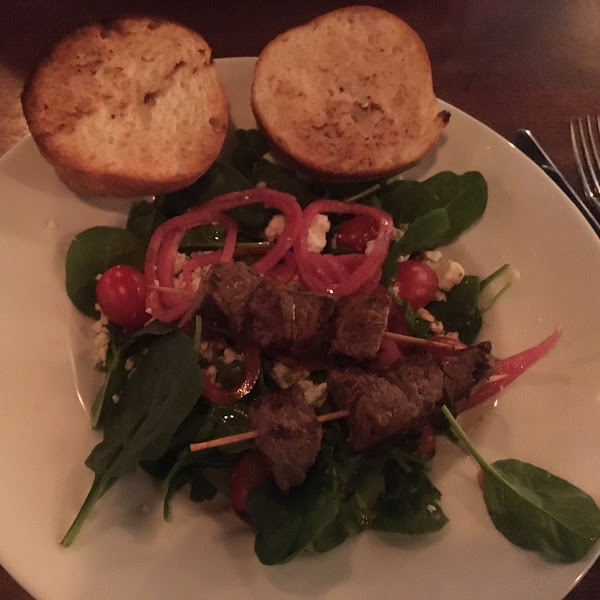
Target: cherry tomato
{"type": "Point", "coordinates": [121, 294]}
{"type": "Point", "coordinates": [248, 472]}
{"type": "Point", "coordinates": [415, 282]}
{"type": "Point", "coordinates": [355, 233]}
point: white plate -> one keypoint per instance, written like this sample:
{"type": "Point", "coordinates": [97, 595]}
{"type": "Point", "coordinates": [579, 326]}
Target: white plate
{"type": "Point", "coordinates": [550, 416]}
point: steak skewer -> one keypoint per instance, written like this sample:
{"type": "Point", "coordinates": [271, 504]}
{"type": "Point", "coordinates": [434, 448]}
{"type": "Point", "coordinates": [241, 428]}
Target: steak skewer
{"type": "Point", "coordinates": [377, 406]}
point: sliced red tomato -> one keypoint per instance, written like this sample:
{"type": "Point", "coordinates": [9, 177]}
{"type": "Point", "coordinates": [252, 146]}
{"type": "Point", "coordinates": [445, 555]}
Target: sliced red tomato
{"type": "Point", "coordinates": [415, 282]}
{"type": "Point", "coordinates": [427, 442]}
{"type": "Point", "coordinates": [220, 395]}
{"type": "Point", "coordinates": [121, 294]}
{"type": "Point", "coordinates": [249, 471]}
{"type": "Point", "coordinates": [355, 233]}
{"type": "Point", "coordinates": [508, 369]}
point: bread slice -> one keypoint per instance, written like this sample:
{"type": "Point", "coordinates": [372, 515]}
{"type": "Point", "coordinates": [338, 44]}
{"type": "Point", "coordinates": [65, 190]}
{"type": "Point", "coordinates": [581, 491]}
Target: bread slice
{"type": "Point", "coordinates": [348, 95]}
{"type": "Point", "coordinates": [127, 109]}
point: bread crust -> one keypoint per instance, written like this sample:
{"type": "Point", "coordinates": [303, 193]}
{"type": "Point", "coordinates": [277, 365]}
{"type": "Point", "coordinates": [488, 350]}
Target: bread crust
{"type": "Point", "coordinates": [127, 109]}
{"type": "Point", "coordinates": [349, 95]}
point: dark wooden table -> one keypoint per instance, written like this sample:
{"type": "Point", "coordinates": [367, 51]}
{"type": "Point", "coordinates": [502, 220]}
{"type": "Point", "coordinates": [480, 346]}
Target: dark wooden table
{"type": "Point", "coordinates": [510, 64]}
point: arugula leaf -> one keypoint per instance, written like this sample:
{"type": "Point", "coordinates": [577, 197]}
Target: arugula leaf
{"type": "Point", "coordinates": [147, 420]}
{"type": "Point", "coordinates": [116, 376]}
{"type": "Point", "coordinates": [535, 509]}
{"type": "Point", "coordinates": [91, 253]}
{"type": "Point", "coordinates": [286, 524]}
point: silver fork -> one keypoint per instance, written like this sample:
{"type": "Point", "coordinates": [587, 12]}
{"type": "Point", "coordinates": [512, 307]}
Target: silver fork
{"type": "Point", "coordinates": [585, 136]}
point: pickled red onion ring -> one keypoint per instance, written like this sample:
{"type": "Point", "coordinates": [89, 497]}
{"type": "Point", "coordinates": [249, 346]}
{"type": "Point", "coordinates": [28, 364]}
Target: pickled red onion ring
{"type": "Point", "coordinates": [285, 203]}
{"type": "Point", "coordinates": [164, 245]}
{"type": "Point", "coordinates": [351, 274]}
{"type": "Point", "coordinates": [208, 258]}
{"type": "Point", "coordinates": [162, 252]}
{"type": "Point", "coordinates": [285, 270]}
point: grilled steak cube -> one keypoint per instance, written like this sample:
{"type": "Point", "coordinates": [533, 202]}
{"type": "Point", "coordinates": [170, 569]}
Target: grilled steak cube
{"type": "Point", "coordinates": [462, 371]}
{"type": "Point", "coordinates": [360, 322]}
{"type": "Point", "coordinates": [283, 318]}
{"type": "Point", "coordinates": [229, 285]}
{"type": "Point", "coordinates": [378, 409]}
{"type": "Point", "coordinates": [289, 434]}
{"type": "Point", "coordinates": [421, 378]}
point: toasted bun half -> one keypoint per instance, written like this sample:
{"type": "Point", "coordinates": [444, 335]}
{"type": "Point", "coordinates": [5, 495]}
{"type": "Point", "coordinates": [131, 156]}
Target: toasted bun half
{"type": "Point", "coordinates": [348, 95]}
{"type": "Point", "coordinates": [132, 108]}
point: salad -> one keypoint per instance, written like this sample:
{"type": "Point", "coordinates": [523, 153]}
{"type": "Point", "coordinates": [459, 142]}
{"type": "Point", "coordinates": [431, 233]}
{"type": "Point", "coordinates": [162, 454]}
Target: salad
{"type": "Point", "coordinates": [200, 350]}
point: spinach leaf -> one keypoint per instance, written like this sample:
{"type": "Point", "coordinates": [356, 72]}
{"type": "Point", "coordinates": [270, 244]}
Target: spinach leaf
{"type": "Point", "coordinates": [417, 326]}
{"type": "Point", "coordinates": [403, 200]}
{"type": "Point", "coordinates": [91, 253]}
{"type": "Point", "coordinates": [220, 179]}
{"type": "Point", "coordinates": [535, 509]}
{"type": "Point", "coordinates": [424, 233]}
{"type": "Point", "coordinates": [282, 179]}
{"type": "Point", "coordinates": [116, 375]}
{"type": "Point", "coordinates": [286, 524]}
{"type": "Point", "coordinates": [410, 501]}
{"type": "Point", "coordinates": [464, 198]}
{"type": "Point", "coordinates": [203, 236]}
{"type": "Point", "coordinates": [460, 311]}
{"type": "Point", "coordinates": [438, 209]}
{"type": "Point", "coordinates": [357, 507]}
{"type": "Point", "coordinates": [248, 158]}
{"type": "Point", "coordinates": [143, 219]}
{"type": "Point", "coordinates": [147, 420]}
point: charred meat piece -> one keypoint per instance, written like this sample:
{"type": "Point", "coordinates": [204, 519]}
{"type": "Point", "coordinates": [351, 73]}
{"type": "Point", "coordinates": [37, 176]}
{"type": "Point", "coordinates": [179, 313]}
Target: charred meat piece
{"type": "Point", "coordinates": [462, 371]}
{"type": "Point", "coordinates": [378, 409]}
{"type": "Point", "coordinates": [359, 324]}
{"type": "Point", "coordinates": [283, 318]}
{"type": "Point", "coordinates": [228, 286]}
{"type": "Point", "coordinates": [408, 394]}
{"type": "Point", "coordinates": [421, 378]}
{"type": "Point", "coordinates": [289, 434]}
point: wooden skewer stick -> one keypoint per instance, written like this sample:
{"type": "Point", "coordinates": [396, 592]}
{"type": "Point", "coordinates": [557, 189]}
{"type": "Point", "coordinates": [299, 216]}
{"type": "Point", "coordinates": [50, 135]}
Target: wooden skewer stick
{"type": "Point", "coordinates": [250, 435]}
{"type": "Point", "coordinates": [400, 337]}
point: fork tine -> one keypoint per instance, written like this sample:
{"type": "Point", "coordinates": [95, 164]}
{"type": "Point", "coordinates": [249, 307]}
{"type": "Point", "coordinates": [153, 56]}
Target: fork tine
{"type": "Point", "coordinates": [594, 147]}
{"type": "Point", "coordinates": [587, 153]}
{"type": "Point", "coordinates": [584, 181]}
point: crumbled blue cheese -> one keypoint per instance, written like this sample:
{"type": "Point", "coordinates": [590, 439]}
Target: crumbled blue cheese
{"type": "Point", "coordinates": [286, 377]}
{"type": "Point", "coordinates": [317, 233]}
{"type": "Point", "coordinates": [274, 227]}
{"type": "Point", "coordinates": [435, 325]}
{"type": "Point", "coordinates": [211, 373]}
{"type": "Point", "coordinates": [101, 338]}
{"type": "Point", "coordinates": [196, 275]}
{"type": "Point", "coordinates": [398, 232]}
{"type": "Point", "coordinates": [314, 393]}
{"type": "Point", "coordinates": [230, 356]}
{"type": "Point", "coordinates": [449, 272]}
